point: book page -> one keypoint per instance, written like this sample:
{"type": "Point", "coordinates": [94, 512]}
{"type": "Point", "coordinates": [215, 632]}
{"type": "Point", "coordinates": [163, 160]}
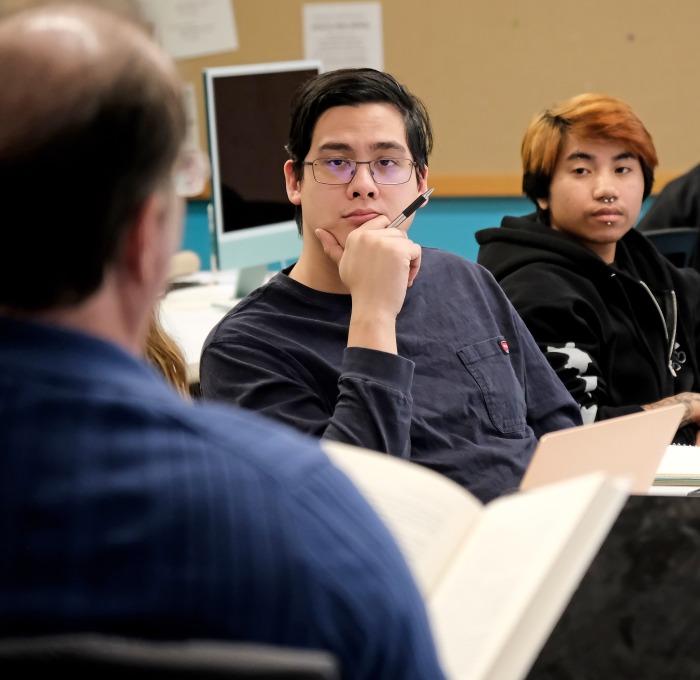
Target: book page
{"type": "Point", "coordinates": [680, 465]}
{"type": "Point", "coordinates": [428, 514]}
{"type": "Point", "coordinates": [495, 595]}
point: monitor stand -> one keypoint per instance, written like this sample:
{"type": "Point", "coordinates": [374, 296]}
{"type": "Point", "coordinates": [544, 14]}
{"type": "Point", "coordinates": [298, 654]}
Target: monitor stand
{"type": "Point", "coordinates": [250, 278]}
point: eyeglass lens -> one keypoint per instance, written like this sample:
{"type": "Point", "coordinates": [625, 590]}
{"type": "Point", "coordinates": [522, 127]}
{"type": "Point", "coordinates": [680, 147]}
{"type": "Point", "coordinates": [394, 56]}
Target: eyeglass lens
{"type": "Point", "coordinates": [342, 170]}
{"type": "Point", "coordinates": [191, 173]}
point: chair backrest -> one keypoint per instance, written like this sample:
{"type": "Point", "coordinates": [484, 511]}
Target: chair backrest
{"type": "Point", "coordinates": [678, 244]}
{"type": "Point", "coordinates": [88, 656]}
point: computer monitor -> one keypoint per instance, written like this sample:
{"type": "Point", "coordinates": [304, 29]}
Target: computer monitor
{"type": "Point", "coordinates": [251, 218]}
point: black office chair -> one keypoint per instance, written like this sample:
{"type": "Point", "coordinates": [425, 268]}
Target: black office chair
{"type": "Point", "coordinates": [87, 656]}
{"type": "Point", "coordinates": [678, 244]}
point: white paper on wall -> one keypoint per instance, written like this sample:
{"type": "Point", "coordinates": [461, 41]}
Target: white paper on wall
{"type": "Point", "coordinates": [344, 34]}
{"type": "Point", "coordinates": [192, 28]}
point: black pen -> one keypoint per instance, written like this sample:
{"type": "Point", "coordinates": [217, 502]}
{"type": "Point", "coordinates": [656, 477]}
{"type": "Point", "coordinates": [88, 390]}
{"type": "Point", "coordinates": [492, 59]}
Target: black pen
{"type": "Point", "coordinates": [411, 209]}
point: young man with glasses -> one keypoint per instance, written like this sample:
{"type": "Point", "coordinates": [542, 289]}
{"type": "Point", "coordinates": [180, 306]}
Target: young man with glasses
{"type": "Point", "coordinates": [370, 339]}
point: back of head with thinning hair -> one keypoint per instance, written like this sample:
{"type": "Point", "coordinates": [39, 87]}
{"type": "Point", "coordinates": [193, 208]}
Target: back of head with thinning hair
{"type": "Point", "coordinates": [586, 116]}
{"type": "Point", "coordinates": [92, 123]}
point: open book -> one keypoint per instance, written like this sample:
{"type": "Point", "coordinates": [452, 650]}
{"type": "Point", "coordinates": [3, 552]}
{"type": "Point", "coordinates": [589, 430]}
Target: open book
{"type": "Point", "coordinates": [495, 577]}
{"type": "Point", "coordinates": [680, 466]}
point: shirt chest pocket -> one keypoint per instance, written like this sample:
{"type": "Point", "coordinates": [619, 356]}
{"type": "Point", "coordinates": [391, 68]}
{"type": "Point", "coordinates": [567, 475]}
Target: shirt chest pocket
{"type": "Point", "coordinates": [489, 364]}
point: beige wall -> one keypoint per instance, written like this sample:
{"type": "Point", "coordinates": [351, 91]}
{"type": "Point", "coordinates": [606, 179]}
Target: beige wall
{"type": "Point", "coordinates": [485, 67]}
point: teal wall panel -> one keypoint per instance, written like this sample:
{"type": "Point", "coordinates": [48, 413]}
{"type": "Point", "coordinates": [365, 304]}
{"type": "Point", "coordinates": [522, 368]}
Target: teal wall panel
{"type": "Point", "coordinates": [447, 223]}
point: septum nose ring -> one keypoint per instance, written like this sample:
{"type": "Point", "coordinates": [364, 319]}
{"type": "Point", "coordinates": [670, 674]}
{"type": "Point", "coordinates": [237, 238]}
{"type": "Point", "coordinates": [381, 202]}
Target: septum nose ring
{"type": "Point", "coordinates": [608, 200]}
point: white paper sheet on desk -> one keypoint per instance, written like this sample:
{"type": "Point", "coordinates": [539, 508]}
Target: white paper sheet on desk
{"type": "Point", "coordinates": [189, 314]}
{"type": "Point", "coordinates": [680, 466]}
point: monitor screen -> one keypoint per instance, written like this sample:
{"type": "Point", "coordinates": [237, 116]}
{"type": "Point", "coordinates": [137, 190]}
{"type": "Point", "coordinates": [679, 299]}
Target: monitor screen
{"type": "Point", "coordinates": [248, 124]}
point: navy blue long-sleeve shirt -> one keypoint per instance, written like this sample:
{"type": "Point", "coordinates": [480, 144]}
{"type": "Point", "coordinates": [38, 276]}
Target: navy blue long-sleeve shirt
{"type": "Point", "coordinates": [469, 393]}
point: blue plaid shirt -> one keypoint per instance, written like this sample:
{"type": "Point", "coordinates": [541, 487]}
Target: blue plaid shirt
{"type": "Point", "coordinates": [125, 509]}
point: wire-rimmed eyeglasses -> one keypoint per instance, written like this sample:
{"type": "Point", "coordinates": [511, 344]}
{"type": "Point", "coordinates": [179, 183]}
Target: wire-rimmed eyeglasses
{"type": "Point", "coordinates": [191, 173]}
{"type": "Point", "coordinates": [342, 170]}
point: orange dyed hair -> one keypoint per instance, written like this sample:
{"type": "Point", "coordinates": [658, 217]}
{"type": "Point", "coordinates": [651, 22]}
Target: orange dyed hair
{"type": "Point", "coordinates": [586, 116]}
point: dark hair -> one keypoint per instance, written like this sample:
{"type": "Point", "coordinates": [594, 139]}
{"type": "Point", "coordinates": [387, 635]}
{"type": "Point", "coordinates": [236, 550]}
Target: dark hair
{"type": "Point", "coordinates": [74, 182]}
{"type": "Point", "coordinates": [588, 116]}
{"type": "Point", "coordinates": [352, 87]}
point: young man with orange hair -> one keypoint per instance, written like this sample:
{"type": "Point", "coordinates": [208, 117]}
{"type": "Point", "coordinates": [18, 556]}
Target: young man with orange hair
{"type": "Point", "coordinates": [617, 321]}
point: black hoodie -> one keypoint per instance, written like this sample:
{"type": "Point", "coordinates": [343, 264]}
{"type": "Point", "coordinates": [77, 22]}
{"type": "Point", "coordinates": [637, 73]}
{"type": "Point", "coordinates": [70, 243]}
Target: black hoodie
{"type": "Point", "coordinates": [618, 335]}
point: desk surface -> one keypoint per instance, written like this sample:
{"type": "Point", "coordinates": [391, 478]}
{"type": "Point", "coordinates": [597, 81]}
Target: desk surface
{"type": "Point", "coordinates": [188, 314]}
